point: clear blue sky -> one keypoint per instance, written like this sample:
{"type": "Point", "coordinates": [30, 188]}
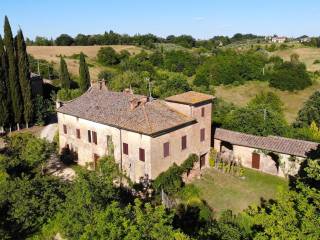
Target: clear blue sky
{"type": "Point", "coordinates": [200, 18]}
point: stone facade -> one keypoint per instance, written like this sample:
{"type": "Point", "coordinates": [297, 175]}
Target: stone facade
{"type": "Point", "coordinates": [282, 166]}
{"type": "Point", "coordinates": [154, 160]}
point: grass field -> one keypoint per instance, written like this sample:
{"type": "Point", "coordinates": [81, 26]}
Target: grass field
{"type": "Point", "coordinates": [223, 191]}
{"type": "Point", "coordinates": [241, 95]}
{"type": "Point", "coordinates": [307, 55]}
{"type": "Point", "coordinates": [52, 53]}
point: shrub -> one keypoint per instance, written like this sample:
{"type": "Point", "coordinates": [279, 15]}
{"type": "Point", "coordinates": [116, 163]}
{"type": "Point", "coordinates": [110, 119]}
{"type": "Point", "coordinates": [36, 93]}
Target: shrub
{"type": "Point", "coordinates": [108, 56]}
{"type": "Point", "coordinates": [68, 94]}
{"type": "Point", "coordinates": [290, 76]}
{"type": "Point", "coordinates": [212, 157]}
{"type": "Point", "coordinates": [171, 180]}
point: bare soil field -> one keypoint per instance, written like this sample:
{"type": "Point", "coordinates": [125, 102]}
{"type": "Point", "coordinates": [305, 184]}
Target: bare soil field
{"type": "Point", "coordinates": [307, 55]}
{"type": "Point", "coordinates": [52, 53]}
{"type": "Point", "coordinates": [241, 95]}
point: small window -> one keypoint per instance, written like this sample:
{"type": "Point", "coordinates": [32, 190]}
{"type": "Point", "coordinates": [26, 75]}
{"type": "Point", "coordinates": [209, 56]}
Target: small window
{"type": "Point", "coordinates": [125, 148]}
{"type": "Point", "coordinates": [202, 134]}
{"type": "Point", "coordinates": [94, 137]}
{"type": "Point", "coordinates": [141, 154]}
{"type": "Point", "coordinates": [78, 133]}
{"type": "Point", "coordinates": [202, 112]}
{"type": "Point", "coordinates": [183, 142]}
{"type": "Point", "coordinates": [166, 149]}
{"type": "Point", "coordinates": [89, 136]}
{"type": "Point", "coordinates": [65, 131]}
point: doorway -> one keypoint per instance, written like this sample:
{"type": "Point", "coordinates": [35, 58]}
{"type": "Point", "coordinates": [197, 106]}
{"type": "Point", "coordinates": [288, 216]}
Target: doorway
{"type": "Point", "coordinates": [202, 161]}
{"type": "Point", "coordinates": [255, 160]}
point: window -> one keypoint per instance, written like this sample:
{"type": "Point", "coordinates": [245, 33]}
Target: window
{"type": "Point", "coordinates": [141, 154]}
{"type": "Point", "coordinates": [89, 136]}
{"type": "Point", "coordinates": [65, 131]}
{"type": "Point", "coordinates": [183, 142]}
{"type": "Point", "coordinates": [166, 149]}
{"type": "Point", "coordinates": [202, 134]}
{"type": "Point", "coordinates": [125, 148]}
{"type": "Point", "coordinates": [94, 137]}
{"type": "Point", "coordinates": [78, 133]}
{"type": "Point", "coordinates": [202, 112]}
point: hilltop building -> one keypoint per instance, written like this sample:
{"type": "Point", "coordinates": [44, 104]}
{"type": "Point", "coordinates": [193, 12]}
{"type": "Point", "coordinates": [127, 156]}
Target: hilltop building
{"type": "Point", "coordinates": [145, 136]}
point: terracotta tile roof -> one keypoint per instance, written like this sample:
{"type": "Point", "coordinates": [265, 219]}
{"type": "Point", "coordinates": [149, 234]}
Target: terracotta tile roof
{"type": "Point", "coordinates": [114, 109]}
{"type": "Point", "coordinates": [190, 98]}
{"type": "Point", "coordinates": [271, 143]}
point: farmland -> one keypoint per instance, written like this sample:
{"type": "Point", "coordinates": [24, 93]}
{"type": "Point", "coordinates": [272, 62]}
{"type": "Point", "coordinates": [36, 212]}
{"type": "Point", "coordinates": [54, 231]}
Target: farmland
{"type": "Point", "coordinates": [52, 54]}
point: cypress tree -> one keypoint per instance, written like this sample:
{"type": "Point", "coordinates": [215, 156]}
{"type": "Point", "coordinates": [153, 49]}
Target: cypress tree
{"type": "Point", "coordinates": [84, 81]}
{"type": "Point", "coordinates": [4, 64]}
{"type": "Point", "coordinates": [24, 78]}
{"type": "Point", "coordinates": [14, 87]}
{"type": "Point", "coordinates": [64, 74]}
{"type": "Point", "coordinates": [4, 113]}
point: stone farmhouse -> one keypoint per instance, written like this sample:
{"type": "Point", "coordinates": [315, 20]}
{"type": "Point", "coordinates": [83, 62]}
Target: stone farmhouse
{"type": "Point", "coordinates": [274, 155]}
{"type": "Point", "coordinates": [145, 136]}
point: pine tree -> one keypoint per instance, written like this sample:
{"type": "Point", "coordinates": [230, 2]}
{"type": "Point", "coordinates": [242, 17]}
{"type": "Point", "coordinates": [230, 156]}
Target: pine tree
{"type": "Point", "coordinates": [15, 93]}
{"type": "Point", "coordinates": [3, 100]}
{"type": "Point", "coordinates": [84, 81]}
{"type": "Point", "coordinates": [64, 74]}
{"type": "Point", "coordinates": [24, 78]}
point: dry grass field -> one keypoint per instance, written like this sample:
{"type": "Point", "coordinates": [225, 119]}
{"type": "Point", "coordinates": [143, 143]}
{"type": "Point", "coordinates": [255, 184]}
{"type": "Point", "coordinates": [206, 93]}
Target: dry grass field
{"type": "Point", "coordinates": [52, 53]}
{"type": "Point", "coordinates": [307, 55]}
{"type": "Point", "coordinates": [241, 95]}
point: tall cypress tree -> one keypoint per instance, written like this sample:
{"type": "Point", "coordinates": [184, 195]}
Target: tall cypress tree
{"type": "Point", "coordinates": [64, 74]}
{"type": "Point", "coordinates": [84, 81]}
{"type": "Point", "coordinates": [4, 113]}
{"type": "Point", "coordinates": [24, 78]}
{"type": "Point", "coordinates": [4, 64]}
{"type": "Point", "coordinates": [16, 98]}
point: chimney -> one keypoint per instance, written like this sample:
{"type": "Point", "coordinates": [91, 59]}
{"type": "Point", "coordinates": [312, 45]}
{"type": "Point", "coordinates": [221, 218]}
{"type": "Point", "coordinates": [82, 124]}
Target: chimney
{"type": "Point", "coordinates": [134, 103]}
{"type": "Point", "coordinates": [58, 104]}
{"type": "Point", "coordinates": [101, 84]}
{"type": "Point", "coordinates": [143, 100]}
{"type": "Point", "coordinates": [128, 91]}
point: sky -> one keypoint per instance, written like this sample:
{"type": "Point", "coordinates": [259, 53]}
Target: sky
{"type": "Point", "coordinates": [202, 19]}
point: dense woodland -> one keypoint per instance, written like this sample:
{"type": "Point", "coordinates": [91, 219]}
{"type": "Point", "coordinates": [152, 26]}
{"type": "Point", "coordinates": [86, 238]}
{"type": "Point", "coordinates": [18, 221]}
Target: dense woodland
{"type": "Point", "coordinates": [35, 205]}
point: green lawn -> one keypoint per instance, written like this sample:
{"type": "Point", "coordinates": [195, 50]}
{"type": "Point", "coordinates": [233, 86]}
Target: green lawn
{"type": "Point", "coordinates": [222, 191]}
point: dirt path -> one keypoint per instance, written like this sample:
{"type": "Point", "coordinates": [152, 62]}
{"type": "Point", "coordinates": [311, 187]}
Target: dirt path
{"type": "Point", "coordinates": [49, 132]}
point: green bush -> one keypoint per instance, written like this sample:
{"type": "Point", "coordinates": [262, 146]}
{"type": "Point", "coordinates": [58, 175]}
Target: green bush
{"type": "Point", "coordinates": [108, 56]}
{"type": "Point", "coordinates": [68, 94]}
{"type": "Point", "coordinates": [171, 180]}
{"type": "Point", "coordinates": [290, 76]}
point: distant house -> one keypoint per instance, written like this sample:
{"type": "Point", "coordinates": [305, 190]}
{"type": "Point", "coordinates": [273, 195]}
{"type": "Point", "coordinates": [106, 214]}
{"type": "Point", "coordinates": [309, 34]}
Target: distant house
{"type": "Point", "coordinates": [278, 39]}
{"type": "Point", "coordinates": [145, 136]}
{"type": "Point", "coordinates": [304, 39]}
{"type": "Point", "coordinates": [274, 155]}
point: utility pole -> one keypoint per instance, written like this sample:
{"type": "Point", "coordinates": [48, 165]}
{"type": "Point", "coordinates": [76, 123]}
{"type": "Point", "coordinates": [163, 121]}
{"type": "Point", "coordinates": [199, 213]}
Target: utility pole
{"type": "Point", "coordinates": [149, 88]}
{"type": "Point", "coordinates": [264, 114]}
{"type": "Point", "coordinates": [49, 72]}
{"type": "Point", "coordinates": [38, 67]}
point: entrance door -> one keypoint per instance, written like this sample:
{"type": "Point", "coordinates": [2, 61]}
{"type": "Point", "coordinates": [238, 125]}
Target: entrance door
{"type": "Point", "coordinates": [202, 161]}
{"type": "Point", "coordinates": [255, 160]}
{"type": "Point", "coordinates": [95, 159]}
